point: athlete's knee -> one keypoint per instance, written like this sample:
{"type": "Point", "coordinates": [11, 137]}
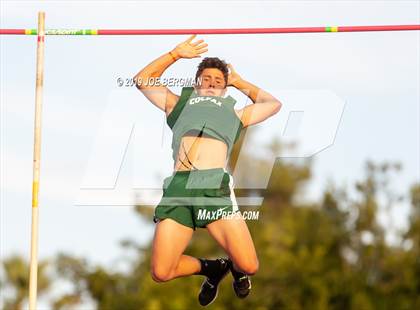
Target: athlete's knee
{"type": "Point", "coordinates": [160, 274]}
{"type": "Point", "coordinates": [249, 267]}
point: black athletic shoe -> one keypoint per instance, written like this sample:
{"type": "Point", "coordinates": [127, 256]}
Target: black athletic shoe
{"type": "Point", "coordinates": [242, 286]}
{"type": "Point", "coordinates": [209, 288]}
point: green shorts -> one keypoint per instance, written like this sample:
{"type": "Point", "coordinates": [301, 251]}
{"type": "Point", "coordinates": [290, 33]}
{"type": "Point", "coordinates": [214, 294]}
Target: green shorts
{"type": "Point", "coordinates": [196, 198]}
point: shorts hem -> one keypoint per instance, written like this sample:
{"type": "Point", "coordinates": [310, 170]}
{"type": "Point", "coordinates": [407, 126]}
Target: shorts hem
{"type": "Point", "coordinates": [157, 219]}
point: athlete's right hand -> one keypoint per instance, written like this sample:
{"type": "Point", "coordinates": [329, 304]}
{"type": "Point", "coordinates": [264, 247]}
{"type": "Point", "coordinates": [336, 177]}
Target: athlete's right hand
{"type": "Point", "coordinates": [189, 49]}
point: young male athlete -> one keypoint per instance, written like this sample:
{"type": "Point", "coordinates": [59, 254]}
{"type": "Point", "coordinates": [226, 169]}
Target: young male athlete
{"type": "Point", "coordinates": [200, 193]}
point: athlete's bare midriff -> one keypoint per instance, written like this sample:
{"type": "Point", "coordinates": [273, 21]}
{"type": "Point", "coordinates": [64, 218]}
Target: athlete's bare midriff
{"type": "Point", "coordinates": [204, 152]}
{"type": "Point", "coordinates": [200, 153]}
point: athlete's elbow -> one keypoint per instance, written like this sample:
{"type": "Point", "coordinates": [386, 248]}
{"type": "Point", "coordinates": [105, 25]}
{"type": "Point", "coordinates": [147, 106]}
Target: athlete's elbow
{"type": "Point", "coordinates": [277, 106]}
{"type": "Point", "coordinates": [137, 81]}
{"type": "Point", "coordinates": [140, 79]}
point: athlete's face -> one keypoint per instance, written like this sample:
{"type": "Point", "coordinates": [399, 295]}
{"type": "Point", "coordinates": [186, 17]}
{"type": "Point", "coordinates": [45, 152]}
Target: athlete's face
{"type": "Point", "coordinates": [211, 83]}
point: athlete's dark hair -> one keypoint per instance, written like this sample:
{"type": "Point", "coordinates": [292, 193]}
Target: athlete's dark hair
{"type": "Point", "coordinates": [212, 62]}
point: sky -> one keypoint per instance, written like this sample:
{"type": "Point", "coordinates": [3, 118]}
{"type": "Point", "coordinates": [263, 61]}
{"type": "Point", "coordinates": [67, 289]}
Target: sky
{"type": "Point", "coordinates": [365, 86]}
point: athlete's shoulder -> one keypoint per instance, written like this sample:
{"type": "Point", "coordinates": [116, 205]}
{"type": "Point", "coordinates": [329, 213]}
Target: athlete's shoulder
{"type": "Point", "coordinates": [174, 113]}
{"type": "Point", "coordinates": [186, 93]}
{"type": "Point", "coordinates": [231, 100]}
{"type": "Point", "coordinates": [187, 89]}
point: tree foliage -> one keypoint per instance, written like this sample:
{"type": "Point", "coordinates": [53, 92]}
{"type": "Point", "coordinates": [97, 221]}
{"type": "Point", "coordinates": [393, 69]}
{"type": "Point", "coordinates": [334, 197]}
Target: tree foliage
{"type": "Point", "coordinates": [329, 254]}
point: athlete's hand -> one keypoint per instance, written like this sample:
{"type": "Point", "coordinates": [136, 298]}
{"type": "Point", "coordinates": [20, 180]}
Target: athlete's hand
{"type": "Point", "coordinates": [233, 76]}
{"type": "Point", "coordinates": [189, 49]}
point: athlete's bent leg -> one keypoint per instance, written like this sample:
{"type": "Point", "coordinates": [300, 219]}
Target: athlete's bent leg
{"type": "Point", "coordinates": [234, 237]}
{"type": "Point", "coordinates": [170, 241]}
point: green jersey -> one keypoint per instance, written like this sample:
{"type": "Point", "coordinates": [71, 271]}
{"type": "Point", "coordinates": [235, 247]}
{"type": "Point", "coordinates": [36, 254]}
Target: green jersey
{"type": "Point", "coordinates": [212, 116]}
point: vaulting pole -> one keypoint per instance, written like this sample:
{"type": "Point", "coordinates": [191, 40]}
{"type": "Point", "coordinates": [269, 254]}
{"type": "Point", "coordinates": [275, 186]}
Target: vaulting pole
{"type": "Point", "coordinates": [209, 31]}
{"type": "Point", "coordinates": [33, 273]}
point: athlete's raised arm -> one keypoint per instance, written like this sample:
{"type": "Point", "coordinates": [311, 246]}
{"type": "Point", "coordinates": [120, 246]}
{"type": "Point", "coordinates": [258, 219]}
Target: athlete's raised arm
{"type": "Point", "coordinates": [265, 105]}
{"type": "Point", "coordinates": [157, 93]}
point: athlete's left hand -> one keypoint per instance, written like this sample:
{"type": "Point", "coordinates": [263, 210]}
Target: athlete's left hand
{"type": "Point", "coordinates": [233, 76]}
